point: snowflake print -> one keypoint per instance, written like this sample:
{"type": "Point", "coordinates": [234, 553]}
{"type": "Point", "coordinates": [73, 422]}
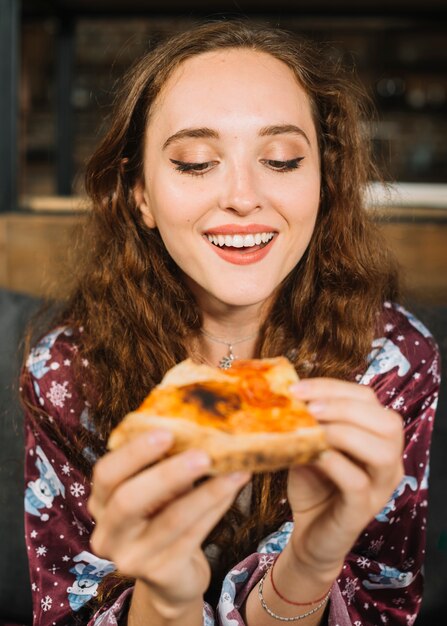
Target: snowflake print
{"type": "Point", "coordinates": [389, 327]}
{"type": "Point", "coordinates": [384, 619]}
{"type": "Point", "coordinates": [357, 623]}
{"type": "Point", "coordinates": [363, 562]}
{"type": "Point", "coordinates": [411, 619]}
{"type": "Point", "coordinates": [77, 490]}
{"type": "Point", "coordinates": [266, 561]}
{"type": "Point", "coordinates": [46, 603]}
{"type": "Point", "coordinates": [53, 569]}
{"type": "Point", "coordinates": [58, 393]}
{"type": "Point", "coordinates": [66, 469]}
{"type": "Point", "coordinates": [392, 392]}
{"type": "Point", "coordinates": [376, 545]}
{"type": "Point", "coordinates": [398, 403]}
{"type": "Point", "coordinates": [416, 375]}
{"type": "Point", "coordinates": [400, 338]}
{"type": "Point", "coordinates": [34, 587]}
{"type": "Point", "coordinates": [350, 588]}
{"type": "Point", "coordinates": [399, 602]}
{"type": "Point", "coordinates": [41, 551]}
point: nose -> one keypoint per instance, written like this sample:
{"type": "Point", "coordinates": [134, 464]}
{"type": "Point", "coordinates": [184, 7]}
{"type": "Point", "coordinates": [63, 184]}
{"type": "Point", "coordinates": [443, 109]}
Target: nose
{"type": "Point", "coordinates": [240, 192]}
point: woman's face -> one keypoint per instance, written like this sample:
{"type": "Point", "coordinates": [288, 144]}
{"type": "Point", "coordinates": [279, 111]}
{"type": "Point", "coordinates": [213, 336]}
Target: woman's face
{"type": "Point", "coordinates": [232, 174]}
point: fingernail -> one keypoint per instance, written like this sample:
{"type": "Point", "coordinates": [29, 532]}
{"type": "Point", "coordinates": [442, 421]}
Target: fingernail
{"type": "Point", "coordinates": [316, 408]}
{"type": "Point", "coordinates": [300, 388]}
{"type": "Point", "coordinates": [196, 459]}
{"type": "Point", "coordinates": [159, 437]}
{"type": "Point", "coordinates": [238, 477]}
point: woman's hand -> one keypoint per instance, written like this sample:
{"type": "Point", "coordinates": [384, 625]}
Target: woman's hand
{"type": "Point", "coordinates": [333, 499]}
{"type": "Point", "coordinates": [151, 519]}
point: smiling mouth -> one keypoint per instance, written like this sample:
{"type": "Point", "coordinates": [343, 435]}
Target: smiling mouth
{"type": "Point", "coordinates": [240, 241]}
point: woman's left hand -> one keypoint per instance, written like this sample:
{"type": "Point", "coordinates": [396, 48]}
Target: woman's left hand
{"type": "Point", "coordinates": [333, 499]}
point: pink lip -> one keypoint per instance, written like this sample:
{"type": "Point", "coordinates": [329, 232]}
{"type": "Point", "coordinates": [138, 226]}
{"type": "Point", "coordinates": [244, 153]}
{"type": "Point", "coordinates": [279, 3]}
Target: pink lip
{"type": "Point", "coordinates": [236, 257]}
{"type": "Point", "coordinates": [238, 229]}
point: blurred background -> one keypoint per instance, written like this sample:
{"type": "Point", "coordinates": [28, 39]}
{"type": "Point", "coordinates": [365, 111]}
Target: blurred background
{"type": "Point", "coordinates": [61, 61]}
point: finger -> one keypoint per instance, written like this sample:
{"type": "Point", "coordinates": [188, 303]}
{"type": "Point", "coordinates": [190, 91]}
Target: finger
{"type": "Point", "coordinates": [117, 466]}
{"type": "Point", "coordinates": [378, 456]}
{"type": "Point", "coordinates": [177, 530]}
{"type": "Point", "coordinates": [355, 485]}
{"type": "Point", "coordinates": [188, 511]}
{"type": "Point", "coordinates": [313, 388]}
{"type": "Point", "coordinates": [370, 416]}
{"type": "Point", "coordinates": [201, 529]}
{"type": "Point", "coordinates": [149, 491]}
{"type": "Point", "coordinates": [193, 537]}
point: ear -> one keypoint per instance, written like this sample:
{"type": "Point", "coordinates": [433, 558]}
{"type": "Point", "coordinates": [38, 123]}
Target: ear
{"type": "Point", "coordinates": [142, 202]}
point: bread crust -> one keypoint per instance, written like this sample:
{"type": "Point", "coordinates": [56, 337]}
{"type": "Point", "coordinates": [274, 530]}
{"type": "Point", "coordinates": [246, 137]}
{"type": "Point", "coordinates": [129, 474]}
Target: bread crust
{"type": "Point", "coordinates": [229, 451]}
{"type": "Point", "coordinates": [253, 452]}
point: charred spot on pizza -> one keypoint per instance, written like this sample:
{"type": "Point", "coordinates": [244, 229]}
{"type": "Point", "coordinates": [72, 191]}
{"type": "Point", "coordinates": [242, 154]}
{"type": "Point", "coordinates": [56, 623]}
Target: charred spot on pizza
{"type": "Point", "coordinates": [215, 399]}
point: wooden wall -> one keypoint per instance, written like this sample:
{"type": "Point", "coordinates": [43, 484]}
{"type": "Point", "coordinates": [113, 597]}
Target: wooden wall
{"type": "Point", "coordinates": [36, 253]}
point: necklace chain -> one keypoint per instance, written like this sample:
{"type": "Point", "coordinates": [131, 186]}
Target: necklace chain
{"type": "Point", "coordinates": [226, 362]}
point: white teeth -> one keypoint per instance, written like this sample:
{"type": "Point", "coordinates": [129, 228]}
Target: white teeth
{"type": "Point", "coordinates": [240, 241]}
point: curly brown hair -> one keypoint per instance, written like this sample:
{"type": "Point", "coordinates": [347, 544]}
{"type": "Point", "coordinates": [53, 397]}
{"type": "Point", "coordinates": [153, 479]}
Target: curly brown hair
{"type": "Point", "coordinates": [138, 317]}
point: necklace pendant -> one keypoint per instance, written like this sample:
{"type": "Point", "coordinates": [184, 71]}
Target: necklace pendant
{"type": "Point", "coordinates": [226, 362]}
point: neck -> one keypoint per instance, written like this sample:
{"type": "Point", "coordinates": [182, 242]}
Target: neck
{"type": "Point", "coordinates": [238, 328]}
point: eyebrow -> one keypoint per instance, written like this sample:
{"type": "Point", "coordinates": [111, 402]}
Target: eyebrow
{"type": "Point", "coordinates": [283, 129]}
{"type": "Point", "coordinates": [197, 133]}
{"type": "Point", "coordinates": [209, 133]}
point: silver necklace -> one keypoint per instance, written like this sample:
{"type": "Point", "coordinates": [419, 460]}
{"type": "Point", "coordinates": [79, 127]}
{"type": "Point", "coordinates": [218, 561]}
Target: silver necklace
{"type": "Point", "coordinates": [227, 361]}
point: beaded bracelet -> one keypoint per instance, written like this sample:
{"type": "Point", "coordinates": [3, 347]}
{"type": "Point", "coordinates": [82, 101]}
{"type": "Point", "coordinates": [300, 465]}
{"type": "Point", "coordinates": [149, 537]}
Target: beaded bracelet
{"type": "Point", "coordinates": [290, 601]}
{"type": "Point", "coordinates": [287, 619]}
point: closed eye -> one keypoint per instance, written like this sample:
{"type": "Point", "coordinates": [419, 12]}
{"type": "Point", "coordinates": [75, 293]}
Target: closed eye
{"type": "Point", "coordinates": [195, 169]}
{"type": "Point", "coordinates": [283, 166]}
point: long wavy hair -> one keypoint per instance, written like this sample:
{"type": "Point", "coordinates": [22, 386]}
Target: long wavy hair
{"type": "Point", "coordinates": [139, 318]}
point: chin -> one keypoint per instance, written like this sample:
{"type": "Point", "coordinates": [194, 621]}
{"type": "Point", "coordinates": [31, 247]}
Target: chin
{"type": "Point", "coordinates": [244, 299]}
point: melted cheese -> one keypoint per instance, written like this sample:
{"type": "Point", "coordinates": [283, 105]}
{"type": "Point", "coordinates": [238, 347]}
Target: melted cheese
{"type": "Point", "coordinates": [244, 403]}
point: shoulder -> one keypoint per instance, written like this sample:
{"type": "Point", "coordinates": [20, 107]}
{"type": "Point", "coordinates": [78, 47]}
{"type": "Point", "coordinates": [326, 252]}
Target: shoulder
{"type": "Point", "coordinates": [404, 362]}
{"type": "Point", "coordinates": [402, 343]}
{"type": "Point", "coordinates": [49, 370]}
{"type": "Point", "coordinates": [400, 324]}
{"type": "Point", "coordinates": [52, 351]}
{"type": "Point", "coordinates": [53, 389]}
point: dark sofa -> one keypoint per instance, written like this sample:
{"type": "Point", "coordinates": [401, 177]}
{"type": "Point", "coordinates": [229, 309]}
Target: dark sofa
{"type": "Point", "coordinates": [15, 597]}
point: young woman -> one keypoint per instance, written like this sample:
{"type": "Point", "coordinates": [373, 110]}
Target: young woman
{"type": "Point", "coordinates": [228, 210]}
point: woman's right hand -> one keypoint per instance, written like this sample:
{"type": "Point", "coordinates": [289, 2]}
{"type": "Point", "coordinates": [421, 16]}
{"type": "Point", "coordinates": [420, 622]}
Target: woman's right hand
{"type": "Point", "coordinates": [151, 518]}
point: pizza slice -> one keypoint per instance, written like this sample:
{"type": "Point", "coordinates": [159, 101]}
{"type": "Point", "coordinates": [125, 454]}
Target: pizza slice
{"type": "Point", "coordinates": [245, 417]}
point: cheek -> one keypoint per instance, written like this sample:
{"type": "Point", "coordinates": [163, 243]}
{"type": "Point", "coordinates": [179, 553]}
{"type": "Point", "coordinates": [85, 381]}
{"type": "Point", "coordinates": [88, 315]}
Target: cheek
{"type": "Point", "coordinates": [178, 204]}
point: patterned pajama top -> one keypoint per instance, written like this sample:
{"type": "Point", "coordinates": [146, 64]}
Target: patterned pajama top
{"type": "Point", "coordinates": [382, 579]}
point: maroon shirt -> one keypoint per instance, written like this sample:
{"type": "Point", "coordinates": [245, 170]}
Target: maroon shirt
{"type": "Point", "coordinates": [382, 578]}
